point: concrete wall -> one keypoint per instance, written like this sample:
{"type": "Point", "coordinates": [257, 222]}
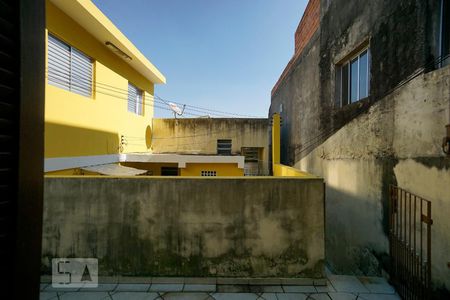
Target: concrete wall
{"type": "Point", "coordinates": [200, 135]}
{"type": "Point", "coordinates": [391, 137]}
{"type": "Point", "coordinates": [397, 141]}
{"type": "Point", "coordinates": [257, 227]}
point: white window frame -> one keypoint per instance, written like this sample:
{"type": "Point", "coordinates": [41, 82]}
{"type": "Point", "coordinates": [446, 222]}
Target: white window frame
{"type": "Point", "coordinates": [137, 101]}
{"type": "Point", "coordinates": [56, 77]}
{"type": "Point", "coordinates": [348, 62]}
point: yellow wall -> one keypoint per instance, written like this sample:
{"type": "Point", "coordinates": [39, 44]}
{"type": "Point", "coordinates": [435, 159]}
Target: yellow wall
{"type": "Point", "coordinates": [155, 168]}
{"type": "Point", "coordinates": [200, 135]}
{"type": "Point", "coordinates": [70, 172]}
{"type": "Point", "coordinates": [277, 168]}
{"type": "Point", "coordinates": [192, 169]}
{"type": "Point", "coordinates": [276, 139]}
{"type": "Point", "coordinates": [79, 126]}
{"type": "Point", "coordinates": [221, 169]}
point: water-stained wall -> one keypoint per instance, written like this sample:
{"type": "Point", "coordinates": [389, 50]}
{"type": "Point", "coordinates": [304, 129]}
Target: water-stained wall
{"type": "Point", "coordinates": [394, 136]}
{"type": "Point", "coordinates": [257, 227]}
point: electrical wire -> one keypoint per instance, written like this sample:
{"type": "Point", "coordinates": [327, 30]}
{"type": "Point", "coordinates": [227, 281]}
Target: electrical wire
{"type": "Point", "coordinates": [312, 143]}
{"type": "Point", "coordinates": [156, 98]}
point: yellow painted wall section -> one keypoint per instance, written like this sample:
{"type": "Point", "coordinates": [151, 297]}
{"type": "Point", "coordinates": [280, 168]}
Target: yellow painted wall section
{"type": "Point", "coordinates": [79, 126]}
{"type": "Point", "coordinates": [200, 135]}
{"type": "Point", "coordinates": [276, 139]}
{"type": "Point", "coordinates": [221, 169]}
{"type": "Point", "coordinates": [73, 172]}
{"type": "Point", "coordinates": [285, 171]}
{"type": "Point", "coordinates": [279, 169]}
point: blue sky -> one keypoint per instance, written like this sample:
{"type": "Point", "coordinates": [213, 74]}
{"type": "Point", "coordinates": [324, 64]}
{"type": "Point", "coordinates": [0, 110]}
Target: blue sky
{"type": "Point", "coordinates": [224, 55]}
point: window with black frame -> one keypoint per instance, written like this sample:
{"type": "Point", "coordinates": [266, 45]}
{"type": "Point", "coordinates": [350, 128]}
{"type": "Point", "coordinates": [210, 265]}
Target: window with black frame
{"type": "Point", "coordinates": [353, 78]}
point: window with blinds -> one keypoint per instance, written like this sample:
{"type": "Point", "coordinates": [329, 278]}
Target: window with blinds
{"type": "Point", "coordinates": [69, 68]}
{"type": "Point", "coordinates": [224, 147]}
{"type": "Point", "coordinates": [135, 100]}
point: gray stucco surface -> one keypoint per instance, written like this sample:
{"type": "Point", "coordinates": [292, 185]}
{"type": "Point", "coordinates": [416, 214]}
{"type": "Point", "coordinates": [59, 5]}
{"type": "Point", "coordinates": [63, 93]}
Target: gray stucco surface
{"type": "Point", "coordinates": [394, 136]}
{"type": "Point", "coordinates": [258, 227]}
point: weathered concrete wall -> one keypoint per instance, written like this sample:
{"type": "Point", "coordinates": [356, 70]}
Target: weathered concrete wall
{"type": "Point", "coordinates": [397, 142]}
{"type": "Point", "coordinates": [200, 135]}
{"type": "Point", "coordinates": [391, 137]}
{"type": "Point", "coordinates": [257, 227]}
{"type": "Point", "coordinates": [298, 95]}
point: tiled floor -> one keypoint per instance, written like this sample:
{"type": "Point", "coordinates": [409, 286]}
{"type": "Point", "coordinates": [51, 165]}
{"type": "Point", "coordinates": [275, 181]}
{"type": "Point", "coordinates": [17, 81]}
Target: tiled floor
{"type": "Point", "coordinates": [337, 287]}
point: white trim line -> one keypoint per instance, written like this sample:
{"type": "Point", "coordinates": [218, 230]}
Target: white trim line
{"type": "Point", "coordinates": [63, 163]}
{"type": "Point", "coordinates": [182, 160]}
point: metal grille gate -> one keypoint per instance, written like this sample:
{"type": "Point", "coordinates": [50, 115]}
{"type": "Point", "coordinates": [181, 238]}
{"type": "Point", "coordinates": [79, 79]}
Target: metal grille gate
{"type": "Point", "coordinates": [410, 243]}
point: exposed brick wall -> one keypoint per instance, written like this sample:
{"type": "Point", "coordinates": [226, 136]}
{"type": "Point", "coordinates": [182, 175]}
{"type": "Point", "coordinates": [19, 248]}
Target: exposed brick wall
{"type": "Point", "coordinates": [305, 30]}
{"type": "Point", "coordinates": [308, 25]}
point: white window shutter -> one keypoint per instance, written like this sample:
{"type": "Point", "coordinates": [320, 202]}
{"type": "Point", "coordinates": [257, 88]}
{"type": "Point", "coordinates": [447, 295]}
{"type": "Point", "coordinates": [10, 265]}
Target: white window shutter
{"type": "Point", "coordinates": [135, 100]}
{"type": "Point", "coordinates": [81, 73]}
{"type": "Point", "coordinates": [68, 68]}
{"type": "Point", "coordinates": [58, 63]}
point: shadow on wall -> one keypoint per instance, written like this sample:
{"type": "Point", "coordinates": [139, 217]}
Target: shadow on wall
{"type": "Point", "coordinates": [354, 240]}
{"type": "Point", "coordinates": [63, 140]}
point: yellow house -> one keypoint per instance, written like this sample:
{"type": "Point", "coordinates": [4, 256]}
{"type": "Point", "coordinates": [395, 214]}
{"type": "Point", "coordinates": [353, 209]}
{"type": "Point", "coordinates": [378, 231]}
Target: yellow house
{"type": "Point", "coordinates": [99, 101]}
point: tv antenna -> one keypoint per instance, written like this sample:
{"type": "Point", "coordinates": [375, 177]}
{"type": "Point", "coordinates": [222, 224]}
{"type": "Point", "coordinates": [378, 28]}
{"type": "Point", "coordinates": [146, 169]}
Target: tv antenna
{"type": "Point", "coordinates": [176, 110]}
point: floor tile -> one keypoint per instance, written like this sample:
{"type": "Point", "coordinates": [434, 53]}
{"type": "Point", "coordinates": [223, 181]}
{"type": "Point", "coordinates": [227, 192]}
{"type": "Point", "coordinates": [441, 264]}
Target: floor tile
{"type": "Point", "coordinates": [319, 296]}
{"type": "Point", "coordinates": [199, 287]}
{"type": "Point", "coordinates": [43, 286]}
{"type": "Point", "coordinates": [325, 289]}
{"type": "Point", "coordinates": [299, 289]}
{"type": "Point", "coordinates": [348, 284]}
{"type": "Point", "coordinates": [134, 296]}
{"type": "Point", "coordinates": [342, 296]}
{"type": "Point", "coordinates": [132, 287]}
{"type": "Point", "coordinates": [379, 297]}
{"type": "Point", "coordinates": [377, 285]}
{"type": "Point", "coordinates": [166, 287]}
{"type": "Point", "coordinates": [268, 296]}
{"type": "Point", "coordinates": [292, 296]}
{"type": "Point", "coordinates": [185, 296]}
{"type": "Point", "coordinates": [84, 296]}
{"type": "Point", "coordinates": [235, 296]}
{"type": "Point", "coordinates": [266, 289]}
{"type": "Point", "coordinates": [48, 295]}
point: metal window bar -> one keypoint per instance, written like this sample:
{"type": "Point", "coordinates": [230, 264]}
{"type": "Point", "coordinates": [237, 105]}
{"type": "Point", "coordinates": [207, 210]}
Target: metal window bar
{"type": "Point", "coordinates": [410, 244]}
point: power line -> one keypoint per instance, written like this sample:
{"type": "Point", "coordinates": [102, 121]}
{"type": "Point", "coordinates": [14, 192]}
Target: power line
{"type": "Point", "coordinates": [207, 109]}
{"type": "Point", "coordinates": [325, 134]}
{"type": "Point", "coordinates": [156, 98]}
